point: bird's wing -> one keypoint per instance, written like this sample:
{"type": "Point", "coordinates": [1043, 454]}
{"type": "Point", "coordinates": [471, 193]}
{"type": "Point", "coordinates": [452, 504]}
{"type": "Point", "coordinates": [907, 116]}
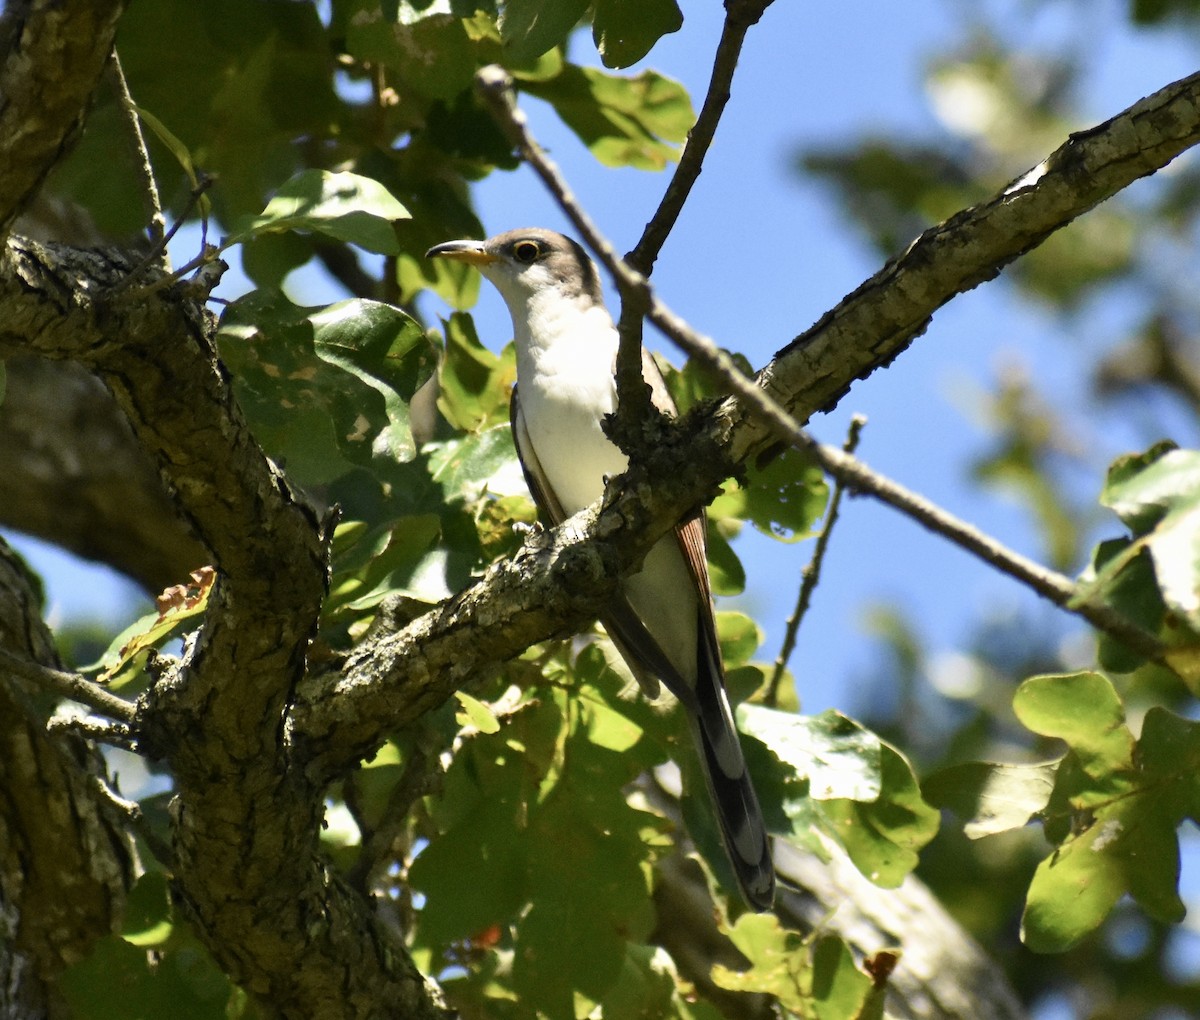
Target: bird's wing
{"type": "Point", "coordinates": [539, 485]}
{"type": "Point", "coordinates": [691, 534]}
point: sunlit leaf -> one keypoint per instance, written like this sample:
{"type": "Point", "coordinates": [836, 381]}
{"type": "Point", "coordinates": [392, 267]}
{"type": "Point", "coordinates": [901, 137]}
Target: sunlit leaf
{"type": "Point", "coordinates": [345, 206]}
{"type": "Point", "coordinates": [1158, 496]}
{"type": "Point", "coordinates": [838, 757]}
{"type": "Point", "coordinates": [177, 610]}
{"type": "Point", "coordinates": [784, 499]}
{"type": "Point", "coordinates": [1125, 803]}
{"type": "Point", "coordinates": [624, 121]}
{"type": "Point", "coordinates": [992, 797]}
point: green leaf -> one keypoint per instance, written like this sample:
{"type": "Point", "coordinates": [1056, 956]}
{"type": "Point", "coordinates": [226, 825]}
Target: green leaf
{"type": "Point", "coordinates": [588, 881]}
{"type": "Point", "coordinates": [784, 499]}
{"type": "Point", "coordinates": [1084, 710]}
{"type": "Point", "coordinates": [726, 574]}
{"type": "Point", "coordinates": [531, 27]}
{"type": "Point", "coordinates": [626, 30]}
{"type": "Point", "coordinates": [883, 836]}
{"type": "Point", "coordinates": [739, 636]}
{"type": "Point", "coordinates": [839, 758]}
{"type": "Point", "coordinates": [623, 121]}
{"type": "Point", "coordinates": [991, 796]}
{"type": "Point", "coordinates": [329, 387]}
{"type": "Point", "coordinates": [1158, 496]}
{"type": "Point", "coordinates": [344, 206]}
{"type": "Point", "coordinates": [482, 819]}
{"type": "Point", "coordinates": [779, 962]}
{"type": "Point", "coordinates": [1122, 574]}
{"type": "Point", "coordinates": [147, 922]}
{"type": "Point", "coordinates": [1140, 487]}
{"type": "Point", "coordinates": [1123, 805]}
{"type": "Point", "coordinates": [474, 465]}
{"type": "Point", "coordinates": [474, 385]}
{"type": "Point", "coordinates": [178, 979]}
{"type": "Point", "coordinates": [427, 49]}
{"type": "Point", "coordinates": [840, 991]}
{"type": "Point", "coordinates": [476, 713]}
{"type": "Point", "coordinates": [177, 149]}
{"type": "Point", "coordinates": [178, 610]}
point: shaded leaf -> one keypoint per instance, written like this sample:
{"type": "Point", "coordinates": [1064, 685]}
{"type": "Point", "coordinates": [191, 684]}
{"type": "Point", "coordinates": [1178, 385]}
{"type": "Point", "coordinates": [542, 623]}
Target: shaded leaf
{"type": "Point", "coordinates": [474, 385]}
{"type": "Point", "coordinates": [329, 387]}
{"type": "Point", "coordinates": [530, 27]}
{"type": "Point", "coordinates": [626, 30]}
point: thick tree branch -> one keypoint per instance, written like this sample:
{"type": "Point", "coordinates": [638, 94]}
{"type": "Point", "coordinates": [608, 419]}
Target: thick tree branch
{"type": "Point", "coordinates": [76, 476]}
{"type": "Point", "coordinates": [66, 861]}
{"type": "Point", "coordinates": [54, 54]}
{"type": "Point", "coordinates": [246, 839]}
{"type": "Point", "coordinates": [872, 325]}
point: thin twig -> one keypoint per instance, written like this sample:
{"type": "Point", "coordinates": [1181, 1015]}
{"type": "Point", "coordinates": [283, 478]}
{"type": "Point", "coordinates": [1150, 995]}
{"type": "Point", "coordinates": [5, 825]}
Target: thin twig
{"type": "Point", "coordinates": [632, 398]}
{"type": "Point", "coordinates": [137, 819]}
{"type": "Point", "coordinates": [93, 728]}
{"type": "Point", "coordinates": [206, 254]}
{"type": "Point", "coordinates": [141, 154]}
{"type": "Point", "coordinates": [811, 574]}
{"type": "Point", "coordinates": [740, 17]}
{"type": "Point", "coordinates": [70, 685]}
{"type": "Point", "coordinates": [1050, 584]}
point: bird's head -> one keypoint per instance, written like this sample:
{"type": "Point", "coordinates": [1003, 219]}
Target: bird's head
{"type": "Point", "coordinates": [528, 262]}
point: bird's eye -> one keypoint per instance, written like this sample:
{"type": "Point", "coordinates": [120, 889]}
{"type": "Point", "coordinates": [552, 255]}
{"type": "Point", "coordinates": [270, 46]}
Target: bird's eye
{"type": "Point", "coordinates": [526, 251]}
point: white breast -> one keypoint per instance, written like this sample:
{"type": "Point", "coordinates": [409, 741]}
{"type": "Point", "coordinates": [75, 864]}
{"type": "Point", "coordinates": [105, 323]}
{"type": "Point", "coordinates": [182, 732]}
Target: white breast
{"type": "Point", "coordinates": [565, 378]}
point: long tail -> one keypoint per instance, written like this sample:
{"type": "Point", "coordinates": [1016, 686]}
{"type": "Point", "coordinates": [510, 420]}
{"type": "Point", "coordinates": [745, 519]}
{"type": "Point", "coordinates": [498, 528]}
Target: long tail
{"type": "Point", "coordinates": [742, 828]}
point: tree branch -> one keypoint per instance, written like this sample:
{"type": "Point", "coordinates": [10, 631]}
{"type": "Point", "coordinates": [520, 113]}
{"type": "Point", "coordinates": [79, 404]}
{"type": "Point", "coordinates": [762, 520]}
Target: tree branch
{"type": "Point", "coordinates": [54, 54]}
{"type": "Point", "coordinates": [66, 861]}
{"type": "Point", "coordinates": [740, 17]}
{"type": "Point", "coordinates": [251, 873]}
{"type": "Point", "coordinates": [67, 685]}
{"type": "Point", "coordinates": [76, 476]}
{"type": "Point", "coordinates": [1050, 584]}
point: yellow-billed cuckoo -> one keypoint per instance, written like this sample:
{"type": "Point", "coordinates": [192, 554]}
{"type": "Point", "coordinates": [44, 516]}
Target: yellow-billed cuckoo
{"type": "Point", "coordinates": [662, 621]}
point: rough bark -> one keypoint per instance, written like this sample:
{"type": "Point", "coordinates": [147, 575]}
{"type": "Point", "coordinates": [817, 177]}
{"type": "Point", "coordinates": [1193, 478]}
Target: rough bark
{"type": "Point", "coordinates": [53, 55]}
{"type": "Point", "coordinates": [66, 860]}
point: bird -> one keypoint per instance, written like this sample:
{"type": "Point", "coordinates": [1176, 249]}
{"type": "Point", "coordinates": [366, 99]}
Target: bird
{"type": "Point", "coordinates": [662, 619]}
